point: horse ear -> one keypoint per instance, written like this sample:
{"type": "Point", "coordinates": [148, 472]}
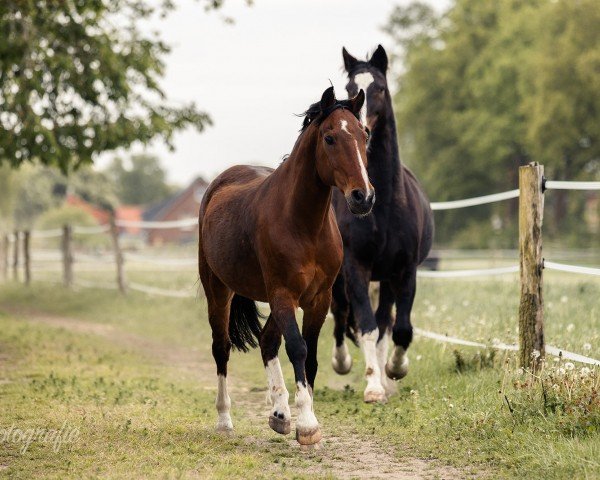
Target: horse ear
{"type": "Point", "coordinates": [379, 59]}
{"type": "Point", "coordinates": [349, 61]}
{"type": "Point", "coordinates": [328, 99]}
{"type": "Point", "coordinates": [358, 102]}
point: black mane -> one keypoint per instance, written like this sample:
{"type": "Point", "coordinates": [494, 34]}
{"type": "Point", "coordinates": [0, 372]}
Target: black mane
{"type": "Point", "coordinates": [314, 113]}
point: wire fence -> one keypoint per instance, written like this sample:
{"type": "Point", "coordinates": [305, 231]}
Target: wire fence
{"type": "Point", "coordinates": [188, 223]}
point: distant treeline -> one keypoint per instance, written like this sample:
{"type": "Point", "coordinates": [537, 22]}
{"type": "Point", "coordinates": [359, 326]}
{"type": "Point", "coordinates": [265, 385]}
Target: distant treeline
{"type": "Point", "coordinates": [488, 86]}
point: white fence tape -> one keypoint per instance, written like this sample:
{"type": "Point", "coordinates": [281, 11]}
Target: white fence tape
{"type": "Point", "coordinates": [470, 202]}
{"type": "Point", "coordinates": [168, 262]}
{"type": "Point", "coordinates": [160, 291]}
{"type": "Point", "coordinates": [183, 223]}
{"type": "Point", "coordinates": [91, 230]}
{"type": "Point", "coordinates": [571, 268]}
{"type": "Point", "coordinates": [557, 352]}
{"type": "Point", "coordinates": [561, 185]}
{"type": "Point", "coordinates": [87, 284]}
{"type": "Point", "coordinates": [467, 273]}
{"type": "Point", "coordinates": [55, 232]}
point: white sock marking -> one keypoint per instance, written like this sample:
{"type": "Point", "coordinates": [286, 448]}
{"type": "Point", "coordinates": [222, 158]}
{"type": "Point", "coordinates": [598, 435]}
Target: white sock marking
{"type": "Point", "coordinates": [223, 405]}
{"type": "Point", "coordinates": [363, 80]}
{"type": "Point", "coordinates": [341, 359]}
{"type": "Point", "coordinates": [382, 356]}
{"type": "Point", "coordinates": [368, 343]}
{"type": "Point", "coordinates": [306, 417]}
{"type": "Point", "coordinates": [277, 390]}
{"type": "Point", "coordinates": [399, 361]}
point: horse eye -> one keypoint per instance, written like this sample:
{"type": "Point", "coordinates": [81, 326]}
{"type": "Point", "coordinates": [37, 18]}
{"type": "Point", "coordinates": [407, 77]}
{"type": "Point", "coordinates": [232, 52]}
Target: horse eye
{"type": "Point", "coordinates": [329, 140]}
{"type": "Point", "coordinates": [368, 132]}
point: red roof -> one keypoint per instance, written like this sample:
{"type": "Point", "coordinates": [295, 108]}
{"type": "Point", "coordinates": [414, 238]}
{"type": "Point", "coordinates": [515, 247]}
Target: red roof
{"type": "Point", "coordinates": [101, 216]}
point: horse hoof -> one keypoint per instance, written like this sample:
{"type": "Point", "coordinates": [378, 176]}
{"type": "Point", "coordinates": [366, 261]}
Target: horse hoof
{"type": "Point", "coordinates": [280, 425]}
{"type": "Point", "coordinates": [342, 367]}
{"type": "Point", "coordinates": [396, 375]}
{"type": "Point", "coordinates": [308, 437]}
{"type": "Point", "coordinates": [375, 396]}
{"type": "Point", "coordinates": [224, 429]}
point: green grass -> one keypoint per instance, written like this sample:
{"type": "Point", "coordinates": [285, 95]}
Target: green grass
{"type": "Point", "coordinates": [137, 381]}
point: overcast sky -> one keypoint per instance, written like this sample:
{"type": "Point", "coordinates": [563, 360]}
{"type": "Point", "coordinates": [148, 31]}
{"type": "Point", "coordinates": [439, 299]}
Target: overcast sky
{"type": "Point", "coordinates": [251, 77]}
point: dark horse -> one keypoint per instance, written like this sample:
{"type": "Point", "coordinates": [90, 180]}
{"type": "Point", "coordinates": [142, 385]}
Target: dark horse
{"type": "Point", "coordinates": [271, 236]}
{"type": "Point", "coordinates": [386, 246]}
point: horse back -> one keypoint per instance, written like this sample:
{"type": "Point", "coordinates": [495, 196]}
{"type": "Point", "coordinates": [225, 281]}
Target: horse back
{"type": "Point", "coordinates": [242, 180]}
{"type": "Point", "coordinates": [415, 208]}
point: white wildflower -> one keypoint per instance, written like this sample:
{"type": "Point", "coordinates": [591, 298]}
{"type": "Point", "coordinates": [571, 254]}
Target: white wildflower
{"type": "Point", "coordinates": [555, 387]}
{"type": "Point", "coordinates": [520, 371]}
{"type": "Point", "coordinates": [556, 359]}
{"type": "Point", "coordinates": [564, 299]}
{"type": "Point", "coordinates": [587, 346]}
{"type": "Point", "coordinates": [465, 303]}
{"type": "Point", "coordinates": [584, 372]}
{"type": "Point", "coordinates": [570, 327]}
{"type": "Point", "coordinates": [569, 366]}
{"type": "Point", "coordinates": [419, 357]}
{"type": "Point", "coordinates": [535, 354]}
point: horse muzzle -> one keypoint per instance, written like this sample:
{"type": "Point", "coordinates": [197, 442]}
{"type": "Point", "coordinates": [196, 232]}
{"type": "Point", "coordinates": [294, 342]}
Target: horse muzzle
{"type": "Point", "coordinates": [360, 203]}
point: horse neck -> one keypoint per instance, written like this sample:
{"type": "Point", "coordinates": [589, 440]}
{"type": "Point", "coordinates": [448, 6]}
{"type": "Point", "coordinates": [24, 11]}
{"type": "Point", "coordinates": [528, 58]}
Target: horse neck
{"type": "Point", "coordinates": [384, 169]}
{"type": "Point", "coordinates": [306, 198]}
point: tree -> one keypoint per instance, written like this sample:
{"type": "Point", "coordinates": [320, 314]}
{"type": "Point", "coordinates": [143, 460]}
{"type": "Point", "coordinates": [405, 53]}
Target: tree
{"type": "Point", "coordinates": [36, 190]}
{"type": "Point", "coordinates": [490, 86]}
{"type": "Point", "coordinates": [79, 77]}
{"type": "Point", "coordinates": [143, 183]}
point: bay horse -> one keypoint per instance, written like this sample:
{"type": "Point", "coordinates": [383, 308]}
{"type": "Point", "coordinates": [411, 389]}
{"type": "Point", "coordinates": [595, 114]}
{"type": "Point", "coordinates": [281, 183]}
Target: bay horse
{"type": "Point", "coordinates": [271, 236]}
{"type": "Point", "coordinates": [386, 247]}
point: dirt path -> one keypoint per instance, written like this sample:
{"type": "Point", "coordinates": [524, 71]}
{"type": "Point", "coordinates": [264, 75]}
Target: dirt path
{"type": "Point", "coordinates": [347, 456]}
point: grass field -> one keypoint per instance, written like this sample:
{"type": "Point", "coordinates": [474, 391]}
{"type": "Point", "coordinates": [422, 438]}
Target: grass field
{"type": "Point", "coordinates": [134, 378]}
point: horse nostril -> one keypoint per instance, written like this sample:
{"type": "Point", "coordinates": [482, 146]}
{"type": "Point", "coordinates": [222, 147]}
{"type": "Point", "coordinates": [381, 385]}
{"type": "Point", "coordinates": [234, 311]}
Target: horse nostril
{"type": "Point", "coordinates": [358, 196]}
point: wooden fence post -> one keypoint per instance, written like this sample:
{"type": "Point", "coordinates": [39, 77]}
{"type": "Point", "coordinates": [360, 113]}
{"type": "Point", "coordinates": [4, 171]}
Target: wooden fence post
{"type": "Point", "coordinates": [531, 307]}
{"type": "Point", "coordinates": [4, 256]}
{"type": "Point", "coordinates": [15, 252]}
{"type": "Point", "coordinates": [114, 233]}
{"type": "Point", "coordinates": [27, 256]}
{"type": "Point", "coordinates": [67, 254]}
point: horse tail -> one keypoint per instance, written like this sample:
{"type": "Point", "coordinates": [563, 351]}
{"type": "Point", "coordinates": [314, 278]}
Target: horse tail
{"type": "Point", "coordinates": [244, 324]}
{"type": "Point", "coordinates": [351, 326]}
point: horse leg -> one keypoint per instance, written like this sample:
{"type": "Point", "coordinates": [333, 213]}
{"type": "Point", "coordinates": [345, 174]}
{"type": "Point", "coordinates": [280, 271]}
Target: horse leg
{"type": "Point", "coordinates": [341, 360]}
{"type": "Point", "coordinates": [219, 302]}
{"type": "Point", "coordinates": [402, 332]}
{"type": "Point", "coordinates": [270, 340]}
{"type": "Point", "coordinates": [358, 279]}
{"type": "Point", "coordinates": [283, 308]}
{"type": "Point", "coordinates": [314, 317]}
{"type": "Point", "coordinates": [383, 317]}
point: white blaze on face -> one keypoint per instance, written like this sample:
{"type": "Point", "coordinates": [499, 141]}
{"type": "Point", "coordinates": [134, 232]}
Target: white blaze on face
{"type": "Point", "coordinates": [363, 80]}
{"type": "Point", "coordinates": [361, 163]}
{"type": "Point", "coordinates": [278, 393]}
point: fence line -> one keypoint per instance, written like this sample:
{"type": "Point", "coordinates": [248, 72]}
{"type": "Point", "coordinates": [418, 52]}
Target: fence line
{"type": "Point", "coordinates": [470, 202]}
{"type": "Point", "coordinates": [468, 273]}
{"type": "Point", "coordinates": [571, 268]}
{"type": "Point", "coordinates": [183, 223]}
{"type": "Point", "coordinates": [563, 185]}
{"type": "Point", "coordinates": [557, 352]}
{"type": "Point", "coordinates": [534, 185]}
